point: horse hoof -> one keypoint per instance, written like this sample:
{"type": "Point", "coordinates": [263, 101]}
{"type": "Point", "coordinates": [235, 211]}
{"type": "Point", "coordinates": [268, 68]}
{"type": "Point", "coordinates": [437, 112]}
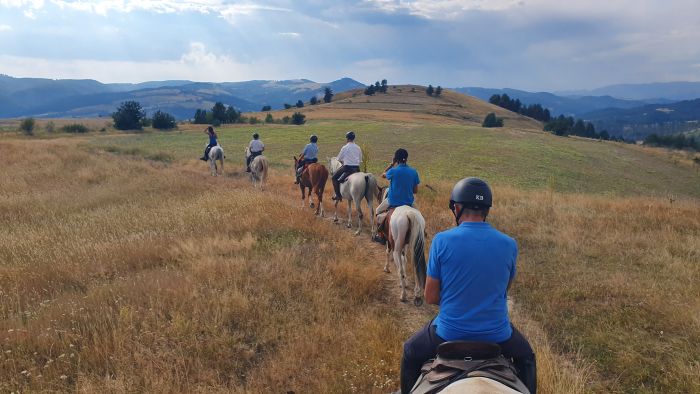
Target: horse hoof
{"type": "Point", "coordinates": [403, 299]}
{"type": "Point", "coordinates": [311, 205]}
{"type": "Point", "coordinates": [335, 220]}
{"type": "Point", "coordinates": [387, 270]}
{"type": "Point", "coordinates": [418, 301]}
{"type": "Point", "coordinates": [357, 232]}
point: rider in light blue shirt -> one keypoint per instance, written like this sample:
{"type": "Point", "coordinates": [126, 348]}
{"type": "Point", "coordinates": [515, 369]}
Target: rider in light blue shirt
{"type": "Point", "coordinates": [308, 155]}
{"type": "Point", "coordinates": [470, 270]}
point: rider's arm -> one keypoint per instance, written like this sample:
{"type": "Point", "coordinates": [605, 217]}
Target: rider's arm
{"type": "Point", "coordinates": [389, 167]}
{"type": "Point", "coordinates": [415, 189]}
{"type": "Point", "coordinates": [432, 290]}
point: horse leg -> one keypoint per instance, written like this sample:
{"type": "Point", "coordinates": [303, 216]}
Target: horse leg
{"type": "Point", "coordinates": [358, 205]}
{"type": "Point", "coordinates": [388, 258]}
{"type": "Point", "coordinates": [400, 268]}
{"type": "Point", "coordinates": [349, 225]}
{"type": "Point", "coordinates": [335, 215]}
{"type": "Point", "coordinates": [222, 165]}
{"type": "Point", "coordinates": [303, 194]}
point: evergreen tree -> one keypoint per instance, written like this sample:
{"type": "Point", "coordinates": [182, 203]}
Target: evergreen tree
{"type": "Point", "coordinates": [313, 100]}
{"type": "Point", "coordinates": [384, 87]}
{"type": "Point", "coordinates": [163, 121]}
{"type": "Point", "coordinates": [232, 115]}
{"type": "Point", "coordinates": [430, 90]}
{"type": "Point", "coordinates": [266, 108]}
{"type": "Point", "coordinates": [492, 121]}
{"type": "Point", "coordinates": [129, 116]}
{"type": "Point", "coordinates": [200, 116]}
{"type": "Point", "coordinates": [269, 119]}
{"type": "Point", "coordinates": [298, 118]}
{"type": "Point", "coordinates": [369, 90]}
{"type": "Point", "coordinates": [300, 104]}
{"type": "Point", "coordinates": [327, 95]}
{"type": "Point", "coordinates": [438, 90]}
{"type": "Point", "coordinates": [218, 112]}
{"type": "Point", "coordinates": [287, 106]}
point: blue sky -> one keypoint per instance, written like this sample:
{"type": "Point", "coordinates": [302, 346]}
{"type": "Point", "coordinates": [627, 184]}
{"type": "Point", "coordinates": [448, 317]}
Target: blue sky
{"type": "Point", "coordinates": [527, 44]}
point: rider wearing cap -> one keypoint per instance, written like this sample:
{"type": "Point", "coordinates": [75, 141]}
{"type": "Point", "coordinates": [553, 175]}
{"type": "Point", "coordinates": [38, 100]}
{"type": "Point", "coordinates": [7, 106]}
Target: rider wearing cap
{"type": "Point", "coordinates": [256, 148]}
{"type": "Point", "coordinates": [404, 184]}
{"type": "Point", "coordinates": [470, 270]}
{"type": "Point", "coordinates": [308, 155]}
{"type": "Point", "coordinates": [350, 156]}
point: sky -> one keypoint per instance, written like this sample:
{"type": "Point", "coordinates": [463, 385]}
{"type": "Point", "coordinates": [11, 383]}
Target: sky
{"type": "Point", "coordinates": [524, 44]}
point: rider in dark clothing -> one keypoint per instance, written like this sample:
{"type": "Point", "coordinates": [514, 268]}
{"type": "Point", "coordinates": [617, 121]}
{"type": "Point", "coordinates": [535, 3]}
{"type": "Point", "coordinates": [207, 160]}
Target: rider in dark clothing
{"type": "Point", "coordinates": [212, 142]}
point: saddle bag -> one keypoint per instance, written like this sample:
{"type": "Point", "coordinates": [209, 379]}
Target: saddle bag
{"type": "Point", "coordinates": [461, 359]}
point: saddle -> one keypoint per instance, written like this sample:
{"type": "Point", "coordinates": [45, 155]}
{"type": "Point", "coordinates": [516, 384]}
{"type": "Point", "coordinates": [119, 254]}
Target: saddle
{"type": "Point", "coordinates": [462, 359]}
{"type": "Point", "coordinates": [347, 173]}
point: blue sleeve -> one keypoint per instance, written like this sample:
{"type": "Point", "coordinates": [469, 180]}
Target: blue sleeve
{"type": "Point", "coordinates": [389, 174]}
{"type": "Point", "coordinates": [515, 259]}
{"type": "Point", "coordinates": [434, 260]}
{"type": "Point", "coordinates": [416, 176]}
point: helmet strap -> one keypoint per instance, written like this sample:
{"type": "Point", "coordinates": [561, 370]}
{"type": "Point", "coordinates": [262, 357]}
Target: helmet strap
{"type": "Point", "coordinates": [458, 214]}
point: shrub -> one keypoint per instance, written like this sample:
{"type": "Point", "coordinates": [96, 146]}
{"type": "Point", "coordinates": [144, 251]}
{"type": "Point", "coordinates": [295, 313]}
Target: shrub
{"type": "Point", "coordinates": [129, 116]}
{"type": "Point", "coordinates": [300, 104]}
{"type": "Point", "coordinates": [163, 121]}
{"type": "Point", "coordinates": [298, 118]}
{"type": "Point", "coordinates": [75, 128]}
{"type": "Point", "coordinates": [429, 91]}
{"type": "Point", "coordinates": [266, 108]}
{"type": "Point", "coordinates": [253, 120]}
{"type": "Point", "coordinates": [287, 106]}
{"type": "Point", "coordinates": [286, 120]}
{"type": "Point", "coordinates": [492, 121]}
{"type": "Point", "coordinates": [27, 126]}
{"type": "Point", "coordinates": [313, 100]}
{"type": "Point", "coordinates": [269, 118]}
{"type": "Point", "coordinates": [50, 127]}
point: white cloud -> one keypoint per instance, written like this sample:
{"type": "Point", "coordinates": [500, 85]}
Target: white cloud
{"type": "Point", "coordinates": [290, 34]}
{"type": "Point", "coordinates": [442, 9]}
{"type": "Point", "coordinates": [198, 63]}
{"type": "Point", "coordinates": [5, 28]}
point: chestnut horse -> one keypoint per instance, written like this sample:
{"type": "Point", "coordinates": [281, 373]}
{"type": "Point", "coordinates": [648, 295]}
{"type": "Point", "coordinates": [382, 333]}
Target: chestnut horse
{"type": "Point", "coordinates": [314, 177]}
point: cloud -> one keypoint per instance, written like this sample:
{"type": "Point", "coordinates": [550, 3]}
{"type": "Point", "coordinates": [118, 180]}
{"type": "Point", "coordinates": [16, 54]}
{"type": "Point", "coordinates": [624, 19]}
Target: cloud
{"type": "Point", "coordinates": [442, 9]}
{"type": "Point", "coordinates": [197, 63]}
{"type": "Point", "coordinates": [5, 28]}
{"type": "Point", "coordinates": [290, 34]}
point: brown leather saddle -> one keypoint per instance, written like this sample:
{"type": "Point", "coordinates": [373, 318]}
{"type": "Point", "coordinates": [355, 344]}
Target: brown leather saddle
{"type": "Point", "coordinates": [383, 229]}
{"type": "Point", "coordinates": [463, 359]}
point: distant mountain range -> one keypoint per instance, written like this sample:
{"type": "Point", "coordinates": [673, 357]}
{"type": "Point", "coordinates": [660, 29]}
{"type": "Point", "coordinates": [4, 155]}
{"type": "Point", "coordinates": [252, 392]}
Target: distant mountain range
{"type": "Point", "coordinates": [637, 123]}
{"type": "Point", "coordinates": [657, 92]}
{"type": "Point", "coordinates": [88, 98]}
{"type": "Point", "coordinates": [561, 105]}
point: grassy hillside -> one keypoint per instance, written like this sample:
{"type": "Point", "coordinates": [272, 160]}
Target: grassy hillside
{"type": "Point", "coordinates": [522, 158]}
{"type": "Point", "coordinates": [124, 266]}
{"type": "Point", "coordinates": [409, 103]}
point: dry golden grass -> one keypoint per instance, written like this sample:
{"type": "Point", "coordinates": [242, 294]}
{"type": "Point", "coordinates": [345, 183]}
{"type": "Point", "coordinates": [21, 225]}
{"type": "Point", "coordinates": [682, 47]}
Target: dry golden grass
{"type": "Point", "coordinates": [128, 275]}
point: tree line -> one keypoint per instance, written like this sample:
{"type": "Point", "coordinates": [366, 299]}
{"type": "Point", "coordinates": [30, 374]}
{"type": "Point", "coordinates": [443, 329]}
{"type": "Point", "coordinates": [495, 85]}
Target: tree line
{"type": "Point", "coordinates": [378, 87]}
{"type": "Point", "coordinates": [535, 111]}
{"type": "Point", "coordinates": [676, 141]}
{"type": "Point", "coordinates": [131, 116]}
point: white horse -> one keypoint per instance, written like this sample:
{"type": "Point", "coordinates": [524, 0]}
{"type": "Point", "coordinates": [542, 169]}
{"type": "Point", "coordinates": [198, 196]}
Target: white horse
{"type": "Point", "coordinates": [406, 244]}
{"type": "Point", "coordinates": [216, 153]}
{"type": "Point", "coordinates": [258, 169]}
{"type": "Point", "coordinates": [478, 385]}
{"type": "Point", "coordinates": [356, 187]}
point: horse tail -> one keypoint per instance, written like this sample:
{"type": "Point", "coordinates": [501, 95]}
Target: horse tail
{"type": "Point", "coordinates": [417, 245]}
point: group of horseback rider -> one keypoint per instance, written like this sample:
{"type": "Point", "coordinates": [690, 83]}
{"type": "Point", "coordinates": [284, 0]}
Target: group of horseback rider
{"type": "Point", "coordinates": [470, 269]}
{"type": "Point", "coordinates": [255, 147]}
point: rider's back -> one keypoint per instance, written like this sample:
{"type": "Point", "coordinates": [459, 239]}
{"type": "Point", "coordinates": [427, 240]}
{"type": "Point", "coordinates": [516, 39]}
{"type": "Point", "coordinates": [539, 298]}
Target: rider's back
{"type": "Point", "coordinates": [403, 180]}
{"type": "Point", "coordinates": [474, 263]}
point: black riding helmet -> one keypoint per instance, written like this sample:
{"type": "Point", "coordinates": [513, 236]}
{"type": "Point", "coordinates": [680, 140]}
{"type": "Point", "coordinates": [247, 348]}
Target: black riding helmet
{"type": "Point", "coordinates": [313, 139]}
{"type": "Point", "coordinates": [400, 155]}
{"type": "Point", "coordinates": [350, 135]}
{"type": "Point", "coordinates": [256, 136]}
{"type": "Point", "coordinates": [471, 193]}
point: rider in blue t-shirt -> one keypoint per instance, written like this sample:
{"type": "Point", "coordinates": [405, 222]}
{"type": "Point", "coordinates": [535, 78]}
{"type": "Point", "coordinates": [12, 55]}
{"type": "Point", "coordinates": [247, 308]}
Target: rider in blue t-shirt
{"type": "Point", "coordinates": [212, 142]}
{"type": "Point", "coordinates": [308, 155]}
{"type": "Point", "coordinates": [403, 185]}
{"type": "Point", "coordinates": [470, 270]}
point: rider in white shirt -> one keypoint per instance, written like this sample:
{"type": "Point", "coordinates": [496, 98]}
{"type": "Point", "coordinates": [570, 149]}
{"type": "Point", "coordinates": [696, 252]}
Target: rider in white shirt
{"type": "Point", "coordinates": [350, 156]}
{"type": "Point", "coordinates": [256, 148]}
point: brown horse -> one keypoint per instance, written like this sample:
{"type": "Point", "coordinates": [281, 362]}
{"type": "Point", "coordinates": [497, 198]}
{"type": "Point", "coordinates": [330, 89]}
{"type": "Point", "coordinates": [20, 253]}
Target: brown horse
{"type": "Point", "coordinates": [314, 178]}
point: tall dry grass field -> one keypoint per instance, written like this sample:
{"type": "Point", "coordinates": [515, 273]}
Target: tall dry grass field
{"type": "Point", "coordinates": [128, 275]}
